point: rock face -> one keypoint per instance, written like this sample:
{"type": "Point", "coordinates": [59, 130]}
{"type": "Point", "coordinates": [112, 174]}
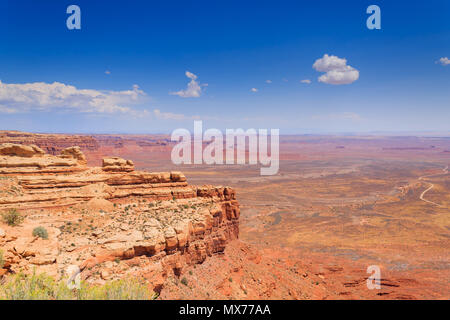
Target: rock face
{"type": "Point", "coordinates": [111, 221]}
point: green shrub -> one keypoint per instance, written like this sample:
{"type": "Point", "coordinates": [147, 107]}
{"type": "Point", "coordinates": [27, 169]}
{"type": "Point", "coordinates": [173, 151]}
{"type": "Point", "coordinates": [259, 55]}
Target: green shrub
{"type": "Point", "coordinates": [2, 261]}
{"type": "Point", "coordinates": [124, 289]}
{"type": "Point", "coordinates": [35, 287]}
{"type": "Point", "coordinates": [184, 281]}
{"type": "Point", "coordinates": [40, 232]}
{"type": "Point", "coordinates": [12, 217]}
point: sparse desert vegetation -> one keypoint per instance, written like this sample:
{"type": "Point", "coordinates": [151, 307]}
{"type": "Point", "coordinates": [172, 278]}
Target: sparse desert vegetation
{"type": "Point", "coordinates": [12, 217]}
{"type": "Point", "coordinates": [40, 232]}
{"type": "Point", "coordinates": [44, 287]}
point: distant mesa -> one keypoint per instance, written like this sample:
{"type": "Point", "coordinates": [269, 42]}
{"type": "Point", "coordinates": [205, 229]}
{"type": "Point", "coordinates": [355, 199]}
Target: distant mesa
{"type": "Point", "coordinates": [50, 143]}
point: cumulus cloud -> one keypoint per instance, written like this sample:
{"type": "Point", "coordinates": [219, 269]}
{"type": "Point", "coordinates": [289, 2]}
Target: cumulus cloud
{"type": "Point", "coordinates": [336, 70]}
{"type": "Point", "coordinates": [269, 81]}
{"type": "Point", "coordinates": [444, 61]}
{"type": "Point", "coordinates": [193, 90]}
{"type": "Point", "coordinates": [254, 90]}
{"type": "Point", "coordinates": [108, 72]}
{"type": "Point", "coordinates": [307, 81]}
{"type": "Point", "coordinates": [41, 96]}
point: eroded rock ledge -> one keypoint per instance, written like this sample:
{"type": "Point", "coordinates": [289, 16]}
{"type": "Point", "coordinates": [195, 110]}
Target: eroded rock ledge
{"type": "Point", "coordinates": [111, 221]}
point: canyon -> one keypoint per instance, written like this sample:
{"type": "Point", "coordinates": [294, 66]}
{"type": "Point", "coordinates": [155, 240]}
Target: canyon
{"type": "Point", "coordinates": [338, 205]}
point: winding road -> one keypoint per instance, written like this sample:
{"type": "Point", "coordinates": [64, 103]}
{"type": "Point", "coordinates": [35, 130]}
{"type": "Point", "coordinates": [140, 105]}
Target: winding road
{"type": "Point", "coordinates": [432, 186]}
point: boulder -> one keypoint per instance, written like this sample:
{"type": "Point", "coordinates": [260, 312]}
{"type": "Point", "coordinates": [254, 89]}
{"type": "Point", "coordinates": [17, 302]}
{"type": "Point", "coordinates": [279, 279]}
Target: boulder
{"type": "Point", "coordinates": [74, 152]}
{"type": "Point", "coordinates": [177, 176]}
{"type": "Point", "coordinates": [105, 274]}
{"type": "Point", "coordinates": [171, 238]}
{"type": "Point", "coordinates": [164, 177]}
{"type": "Point", "coordinates": [182, 230]}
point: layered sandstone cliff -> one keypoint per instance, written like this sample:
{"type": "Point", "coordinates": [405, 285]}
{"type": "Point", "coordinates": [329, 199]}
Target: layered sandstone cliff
{"type": "Point", "coordinates": [109, 221]}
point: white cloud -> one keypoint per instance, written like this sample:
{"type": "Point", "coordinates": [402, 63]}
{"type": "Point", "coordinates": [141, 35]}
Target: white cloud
{"type": "Point", "coordinates": [350, 116]}
{"type": "Point", "coordinates": [269, 81]}
{"type": "Point", "coordinates": [444, 61]}
{"type": "Point", "coordinates": [108, 72]}
{"type": "Point", "coordinates": [178, 116]}
{"type": "Point", "coordinates": [41, 96]}
{"type": "Point", "coordinates": [307, 81]}
{"type": "Point", "coordinates": [336, 70]}
{"type": "Point", "coordinates": [168, 115]}
{"type": "Point", "coordinates": [194, 88]}
{"type": "Point", "coordinates": [254, 90]}
{"type": "Point", "coordinates": [4, 109]}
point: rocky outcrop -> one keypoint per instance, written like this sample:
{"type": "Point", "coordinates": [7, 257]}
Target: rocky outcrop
{"type": "Point", "coordinates": [23, 159]}
{"type": "Point", "coordinates": [18, 150]}
{"type": "Point", "coordinates": [74, 152]}
{"type": "Point", "coordinates": [151, 224]}
{"type": "Point", "coordinates": [116, 164]}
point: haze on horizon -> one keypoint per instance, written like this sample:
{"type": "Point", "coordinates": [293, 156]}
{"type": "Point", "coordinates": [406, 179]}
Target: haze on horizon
{"type": "Point", "coordinates": [302, 67]}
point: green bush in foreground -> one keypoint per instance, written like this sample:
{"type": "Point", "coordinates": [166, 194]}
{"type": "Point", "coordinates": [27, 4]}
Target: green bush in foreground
{"type": "Point", "coordinates": [43, 287]}
{"type": "Point", "coordinates": [21, 287]}
{"type": "Point", "coordinates": [2, 261]}
{"type": "Point", "coordinates": [124, 289]}
{"type": "Point", "coordinates": [12, 217]}
{"type": "Point", "coordinates": [40, 232]}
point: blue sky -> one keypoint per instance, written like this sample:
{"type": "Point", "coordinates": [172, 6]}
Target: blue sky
{"type": "Point", "coordinates": [125, 70]}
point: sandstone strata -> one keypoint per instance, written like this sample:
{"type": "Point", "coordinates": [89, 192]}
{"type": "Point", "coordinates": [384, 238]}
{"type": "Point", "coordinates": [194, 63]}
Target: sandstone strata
{"type": "Point", "coordinates": [117, 164]}
{"type": "Point", "coordinates": [110, 221]}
